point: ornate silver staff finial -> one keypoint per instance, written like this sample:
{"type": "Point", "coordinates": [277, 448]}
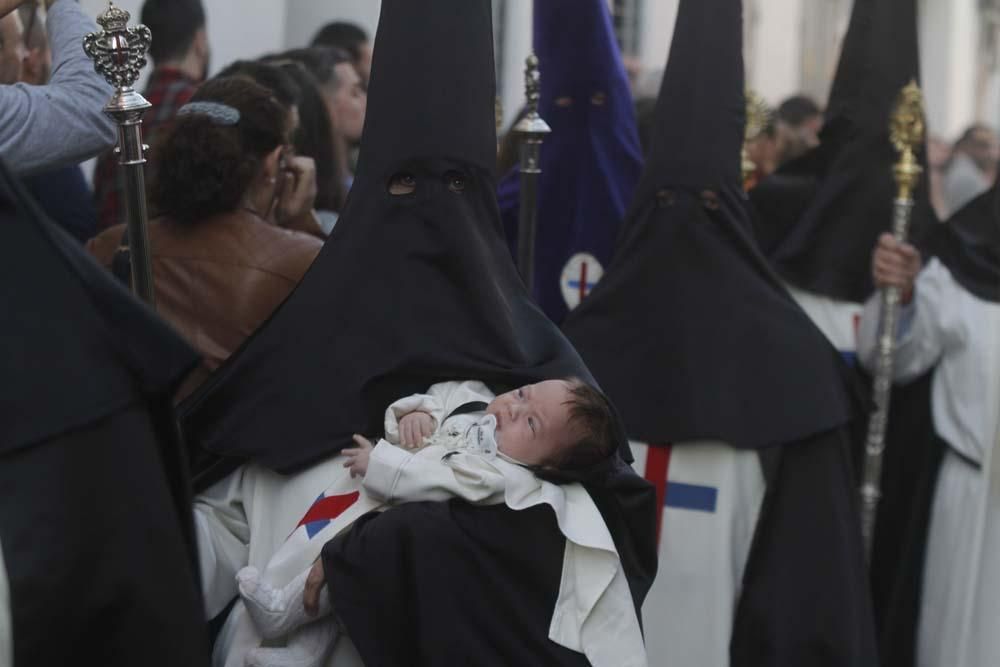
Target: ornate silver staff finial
{"type": "Point", "coordinates": [532, 129]}
{"type": "Point", "coordinates": [532, 123]}
{"type": "Point", "coordinates": [119, 54]}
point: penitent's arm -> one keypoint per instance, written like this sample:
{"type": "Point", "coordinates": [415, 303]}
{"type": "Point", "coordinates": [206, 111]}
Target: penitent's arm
{"type": "Point", "coordinates": [62, 122]}
{"type": "Point", "coordinates": [923, 331]}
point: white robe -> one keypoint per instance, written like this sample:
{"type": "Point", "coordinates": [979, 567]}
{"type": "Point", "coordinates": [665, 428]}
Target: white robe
{"type": "Point", "coordinates": [838, 320]}
{"type": "Point", "coordinates": [704, 539]}
{"type": "Point", "coordinates": [593, 612]}
{"type": "Point", "coordinates": [712, 499]}
{"type": "Point", "coordinates": [949, 327]}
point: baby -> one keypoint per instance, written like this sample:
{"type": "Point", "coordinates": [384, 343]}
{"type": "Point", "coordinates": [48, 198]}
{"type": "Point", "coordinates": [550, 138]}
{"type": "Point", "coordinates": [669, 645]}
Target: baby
{"type": "Point", "coordinates": [455, 441]}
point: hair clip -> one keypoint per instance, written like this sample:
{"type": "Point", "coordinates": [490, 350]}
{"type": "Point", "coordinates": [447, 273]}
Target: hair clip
{"type": "Point", "coordinates": [218, 113]}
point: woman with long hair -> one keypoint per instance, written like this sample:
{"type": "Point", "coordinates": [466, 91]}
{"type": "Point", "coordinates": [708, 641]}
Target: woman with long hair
{"type": "Point", "coordinates": [225, 173]}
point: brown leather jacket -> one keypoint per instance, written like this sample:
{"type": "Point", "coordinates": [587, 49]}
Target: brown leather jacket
{"type": "Point", "coordinates": [218, 280]}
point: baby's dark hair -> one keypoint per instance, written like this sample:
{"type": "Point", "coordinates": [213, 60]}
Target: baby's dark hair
{"type": "Point", "coordinates": [591, 416]}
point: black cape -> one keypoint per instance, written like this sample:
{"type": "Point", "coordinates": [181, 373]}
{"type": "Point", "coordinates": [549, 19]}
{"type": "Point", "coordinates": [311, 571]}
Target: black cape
{"type": "Point", "coordinates": [408, 291]}
{"type": "Point", "coordinates": [95, 524]}
{"type": "Point", "coordinates": [819, 216]}
{"type": "Point", "coordinates": [969, 246]}
{"type": "Point", "coordinates": [693, 336]}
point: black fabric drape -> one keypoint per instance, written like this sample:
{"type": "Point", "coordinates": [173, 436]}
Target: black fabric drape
{"type": "Point", "coordinates": [95, 523]}
{"type": "Point", "coordinates": [488, 603]}
{"type": "Point", "coordinates": [98, 551]}
{"type": "Point", "coordinates": [804, 600]}
{"type": "Point", "coordinates": [822, 243]}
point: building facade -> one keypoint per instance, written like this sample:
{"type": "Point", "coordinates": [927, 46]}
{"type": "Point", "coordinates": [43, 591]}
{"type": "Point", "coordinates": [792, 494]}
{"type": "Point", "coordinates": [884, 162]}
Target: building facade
{"type": "Point", "coordinates": [792, 46]}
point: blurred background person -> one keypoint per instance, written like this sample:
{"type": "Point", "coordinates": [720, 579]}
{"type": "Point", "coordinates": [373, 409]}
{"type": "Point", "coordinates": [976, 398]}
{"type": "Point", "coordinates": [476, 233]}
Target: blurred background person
{"type": "Point", "coordinates": [797, 125]}
{"type": "Point", "coordinates": [351, 39]}
{"type": "Point", "coordinates": [344, 102]}
{"type": "Point", "coordinates": [972, 168]}
{"type": "Point", "coordinates": [63, 192]}
{"type": "Point", "coordinates": [12, 50]}
{"type": "Point", "coordinates": [62, 122]}
{"type": "Point", "coordinates": [36, 66]}
{"type": "Point", "coordinates": [938, 157]}
{"type": "Point", "coordinates": [791, 131]}
{"type": "Point", "coordinates": [180, 55]}
{"type": "Point", "coordinates": [224, 174]}
{"type": "Point", "coordinates": [295, 91]}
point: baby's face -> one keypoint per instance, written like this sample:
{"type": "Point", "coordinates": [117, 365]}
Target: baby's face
{"type": "Point", "coordinates": [533, 421]}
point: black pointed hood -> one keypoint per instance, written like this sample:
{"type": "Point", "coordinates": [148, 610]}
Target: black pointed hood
{"type": "Point", "coordinates": [430, 91]}
{"type": "Point", "coordinates": [696, 144]}
{"type": "Point", "coordinates": [77, 347]}
{"type": "Point", "coordinates": [820, 215]}
{"type": "Point", "coordinates": [690, 332]}
{"type": "Point", "coordinates": [410, 289]}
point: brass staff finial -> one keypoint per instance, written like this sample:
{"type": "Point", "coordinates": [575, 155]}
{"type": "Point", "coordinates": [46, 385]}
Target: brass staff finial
{"type": "Point", "coordinates": [906, 131]}
{"type": "Point", "coordinates": [118, 52]}
{"type": "Point", "coordinates": [758, 116]}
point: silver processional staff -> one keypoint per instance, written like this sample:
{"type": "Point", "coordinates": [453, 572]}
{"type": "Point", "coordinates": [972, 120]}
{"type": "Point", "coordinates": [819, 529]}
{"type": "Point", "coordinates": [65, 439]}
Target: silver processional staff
{"type": "Point", "coordinates": [119, 54]}
{"type": "Point", "coordinates": [532, 130]}
{"type": "Point", "coordinates": [906, 129]}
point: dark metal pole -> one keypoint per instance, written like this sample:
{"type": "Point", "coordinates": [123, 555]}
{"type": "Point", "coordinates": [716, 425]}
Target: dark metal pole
{"type": "Point", "coordinates": [119, 54]}
{"type": "Point", "coordinates": [532, 130]}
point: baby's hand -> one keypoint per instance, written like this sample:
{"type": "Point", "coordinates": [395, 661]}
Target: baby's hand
{"type": "Point", "coordinates": [357, 458]}
{"type": "Point", "coordinates": [413, 428]}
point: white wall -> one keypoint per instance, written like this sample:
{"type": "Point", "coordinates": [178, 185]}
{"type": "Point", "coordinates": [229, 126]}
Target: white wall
{"type": "Point", "coordinates": [236, 28]}
{"type": "Point", "coordinates": [517, 45]}
{"type": "Point", "coordinates": [305, 17]}
{"type": "Point", "coordinates": [949, 32]}
{"type": "Point", "coordinates": [658, 20]}
{"type": "Point", "coordinates": [775, 71]}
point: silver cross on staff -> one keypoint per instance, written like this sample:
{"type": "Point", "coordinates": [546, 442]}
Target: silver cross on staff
{"type": "Point", "coordinates": [119, 54]}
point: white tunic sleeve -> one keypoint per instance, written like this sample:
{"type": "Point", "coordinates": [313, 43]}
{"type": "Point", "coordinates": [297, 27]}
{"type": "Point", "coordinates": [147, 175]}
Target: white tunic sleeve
{"type": "Point", "coordinates": [924, 330]}
{"type": "Point", "coordinates": [223, 534]}
{"type": "Point", "coordinates": [395, 475]}
{"type": "Point", "coordinates": [439, 402]}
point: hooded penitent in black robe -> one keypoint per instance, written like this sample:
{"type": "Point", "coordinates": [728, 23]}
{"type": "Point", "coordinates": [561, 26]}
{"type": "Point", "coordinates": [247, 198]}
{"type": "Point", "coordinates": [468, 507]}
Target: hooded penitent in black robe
{"type": "Point", "coordinates": [968, 244]}
{"type": "Point", "coordinates": [95, 518]}
{"type": "Point", "coordinates": [408, 291]}
{"type": "Point", "coordinates": [693, 336]}
{"type": "Point", "coordinates": [817, 218]}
